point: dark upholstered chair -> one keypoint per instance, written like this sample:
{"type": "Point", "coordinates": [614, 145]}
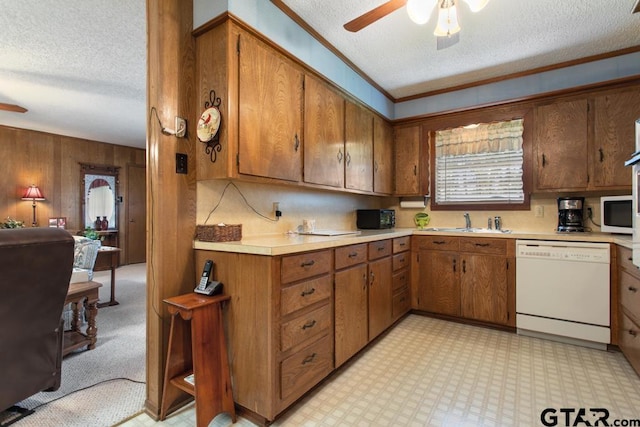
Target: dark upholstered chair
{"type": "Point", "coordinates": [35, 268]}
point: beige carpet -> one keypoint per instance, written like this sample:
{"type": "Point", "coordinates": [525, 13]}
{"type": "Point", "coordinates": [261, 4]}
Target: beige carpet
{"type": "Point", "coordinates": [103, 386]}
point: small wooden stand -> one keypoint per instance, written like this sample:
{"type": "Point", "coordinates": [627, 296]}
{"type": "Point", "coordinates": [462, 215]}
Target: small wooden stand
{"type": "Point", "coordinates": [207, 358]}
{"type": "Point", "coordinates": [74, 338]}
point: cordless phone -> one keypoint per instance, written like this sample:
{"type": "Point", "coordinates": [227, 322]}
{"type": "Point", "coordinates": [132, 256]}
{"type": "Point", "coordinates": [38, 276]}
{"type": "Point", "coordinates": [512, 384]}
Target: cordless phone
{"type": "Point", "coordinates": [207, 286]}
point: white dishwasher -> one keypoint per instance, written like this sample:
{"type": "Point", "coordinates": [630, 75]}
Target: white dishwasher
{"type": "Point", "coordinates": [562, 291]}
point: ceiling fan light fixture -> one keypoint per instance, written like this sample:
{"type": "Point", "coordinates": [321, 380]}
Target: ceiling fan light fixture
{"type": "Point", "coordinates": [447, 19]}
{"type": "Point", "coordinates": [476, 5]}
{"type": "Point", "coordinates": [419, 11]}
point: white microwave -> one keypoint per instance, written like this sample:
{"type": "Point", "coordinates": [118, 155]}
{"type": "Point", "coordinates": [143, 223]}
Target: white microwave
{"type": "Point", "coordinates": [617, 214]}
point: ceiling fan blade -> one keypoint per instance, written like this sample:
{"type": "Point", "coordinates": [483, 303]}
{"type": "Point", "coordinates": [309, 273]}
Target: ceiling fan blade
{"type": "Point", "coordinates": [373, 15]}
{"type": "Point", "coordinates": [444, 42]}
{"type": "Point", "coordinates": [12, 107]}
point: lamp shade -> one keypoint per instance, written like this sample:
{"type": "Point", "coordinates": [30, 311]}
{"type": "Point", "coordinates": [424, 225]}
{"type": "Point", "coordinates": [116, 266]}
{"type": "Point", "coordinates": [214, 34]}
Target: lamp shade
{"type": "Point", "coordinates": [447, 21]}
{"type": "Point", "coordinates": [33, 193]}
{"type": "Point", "coordinates": [420, 10]}
{"type": "Point", "coordinates": [476, 5]}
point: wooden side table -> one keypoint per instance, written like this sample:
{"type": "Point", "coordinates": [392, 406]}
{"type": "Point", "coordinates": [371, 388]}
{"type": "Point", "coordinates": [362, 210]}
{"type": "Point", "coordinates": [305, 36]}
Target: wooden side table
{"type": "Point", "coordinates": [108, 259]}
{"type": "Point", "coordinates": [82, 293]}
{"type": "Point", "coordinates": [198, 319]}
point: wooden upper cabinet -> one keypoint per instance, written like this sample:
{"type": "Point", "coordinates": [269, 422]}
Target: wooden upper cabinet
{"type": "Point", "coordinates": [382, 156]}
{"type": "Point", "coordinates": [323, 134]}
{"type": "Point", "coordinates": [561, 146]}
{"type": "Point", "coordinates": [410, 167]}
{"type": "Point", "coordinates": [358, 148]}
{"type": "Point", "coordinates": [270, 91]}
{"type": "Point", "coordinates": [614, 137]}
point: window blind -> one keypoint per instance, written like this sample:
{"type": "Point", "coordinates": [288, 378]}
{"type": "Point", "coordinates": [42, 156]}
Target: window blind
{"type": "Point", "coordinates": [480, 165]}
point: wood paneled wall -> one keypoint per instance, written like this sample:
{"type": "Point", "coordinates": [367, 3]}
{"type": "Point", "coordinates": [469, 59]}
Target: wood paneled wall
{"type": "Point", "coordinates": [52, 163]}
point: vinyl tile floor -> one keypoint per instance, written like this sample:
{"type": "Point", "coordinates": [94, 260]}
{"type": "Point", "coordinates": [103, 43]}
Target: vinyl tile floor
{"type": "Point", "coordinates": [430, 372]}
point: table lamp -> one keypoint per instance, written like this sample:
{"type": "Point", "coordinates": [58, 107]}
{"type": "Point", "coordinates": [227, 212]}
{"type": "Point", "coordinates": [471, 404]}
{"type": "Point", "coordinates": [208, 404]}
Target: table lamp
{"type": "Point", "coordinates": [33, 193]}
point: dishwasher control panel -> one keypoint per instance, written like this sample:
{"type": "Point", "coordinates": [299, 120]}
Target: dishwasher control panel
{"type": "Point", "coordinates": [564, 251]}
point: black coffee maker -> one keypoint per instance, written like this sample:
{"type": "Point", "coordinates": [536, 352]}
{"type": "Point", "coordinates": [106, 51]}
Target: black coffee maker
{"type": "Point", "coordinates": [570, 214]}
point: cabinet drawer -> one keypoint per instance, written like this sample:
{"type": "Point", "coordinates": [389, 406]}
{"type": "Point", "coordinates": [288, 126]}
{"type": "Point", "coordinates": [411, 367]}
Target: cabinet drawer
{"type": "Point", "coordinates": [625, 260]}
{"type": "Point", "coordinates": [483, 245]}
{"type": "Point", "coordinates": [347, 256]}
{"type": "Point", "coordinates": [437, 243]}
{"type": "Point", "coordinates": [296, 267]}
{"type": "Point", "coordinates": [401, 304]}
{"type": "Point", "coordinates": [303, 294]}
{"type": "Point", "coordinates": [630, 294]}
{"type": "Point", "coordinates": [304, 369]}
{"type": "Point", "coordinates": [401, 244]}
{"type": "Point", "coordinates": [629, 341]}
{"type": "Point", "coordinates": [400, 280]}
{"type": "Point", "coordinates": [400, 260]}
{"type": "Point", "coordinates": [304, 327]}
{"type": "Point", "coordinates": [379, 249]}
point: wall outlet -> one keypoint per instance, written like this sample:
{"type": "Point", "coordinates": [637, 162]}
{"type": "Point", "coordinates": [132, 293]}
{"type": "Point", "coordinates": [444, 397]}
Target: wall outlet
{"type": "Point", "coordinates": [539, 212]}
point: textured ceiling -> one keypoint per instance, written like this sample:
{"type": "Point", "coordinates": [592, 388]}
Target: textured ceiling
{"type": "Point", "coordinates": [507, 36]}
{"type": "Point", "coordinates": [79, 66]}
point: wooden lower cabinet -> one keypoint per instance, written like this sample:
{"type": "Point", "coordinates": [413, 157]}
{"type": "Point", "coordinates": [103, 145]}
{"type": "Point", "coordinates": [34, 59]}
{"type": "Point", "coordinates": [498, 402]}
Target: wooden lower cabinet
{"type": "Point", "coordinates": [292, 319]}
{"type": "Point", "coordinates": [629, 307]}
{"type": "Point", "coordinates": [470, 278]}
{"type": "Point", "coordinates": [351, 314]}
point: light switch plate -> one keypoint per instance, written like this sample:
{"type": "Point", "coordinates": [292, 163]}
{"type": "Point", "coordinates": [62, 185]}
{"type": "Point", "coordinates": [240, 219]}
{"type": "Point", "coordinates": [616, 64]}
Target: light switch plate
{"type": "Point", "coordinates": [539, 212]}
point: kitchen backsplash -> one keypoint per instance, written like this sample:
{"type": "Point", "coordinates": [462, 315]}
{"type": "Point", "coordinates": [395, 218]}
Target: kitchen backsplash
{"type": "Point", "coordinates": [336, 211]}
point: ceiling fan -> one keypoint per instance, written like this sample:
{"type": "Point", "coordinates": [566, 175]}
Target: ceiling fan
{"type": "Point", "coordinates": [447, 29]}
{"type": "Point", "coordinates": [12, 107]}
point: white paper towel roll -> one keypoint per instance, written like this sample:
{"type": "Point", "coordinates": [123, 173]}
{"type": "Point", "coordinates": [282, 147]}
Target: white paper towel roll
{"type": "Point", "coordinates": [413, 204]}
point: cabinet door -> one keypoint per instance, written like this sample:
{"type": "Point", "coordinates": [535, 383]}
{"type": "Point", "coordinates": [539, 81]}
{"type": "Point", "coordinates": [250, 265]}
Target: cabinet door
{"type": "Point", "coordinates": [484, 287]}
{"type": "Point", "coordinates": [350, 312]}
{"type": "Point", "coordinates": [407, 168]}
{"type": "Point", "coordinates": [382, 156]}
{"type": "Point", "coordinates": [359, 148]}
{"type": "Point", "coordinates": [614, 138]}
{"type": "Point", "coordinates": [438, 287]}
{"type": "Point", "coordinates": [323, 134]}
{"type": "Point", "coordinates": [270, 116]}
{"type": "Point", "coordinates": [561, 146]}
{"type": "Point", "coordinates": [380, 298]}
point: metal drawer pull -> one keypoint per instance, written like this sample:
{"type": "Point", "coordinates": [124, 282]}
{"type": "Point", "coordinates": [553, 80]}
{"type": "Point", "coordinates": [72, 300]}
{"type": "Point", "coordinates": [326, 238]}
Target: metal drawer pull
{"type": "Point", "coordinates": [307, 263]}
{"type": "Point", "coordinates": [483, 245]}
{"type": "Point", "coordinates": [353, 254]}
{"type": "Point", "coordinates": [632, 289]}
{"type": "Point", "coordinates": [309, 292]}
{"type": "Point", "coordinates": [464, 265]}
{"type": "Point", "coordinates": [401, 259]}
{"type": "Point", "coordinates": [454, 265]}
{"type": "Point", "coordinates": [439, 242]}
{"type": "Point", "coordinates": [402, 244]}
{"type": "Point", "coordinates": [380, 248]}
{"type": "Point", "coordinates": [632, 332]}
{"type": "Point", "coordinates": [309, 359]}
{"type": "Point", "coordinates": [308, 325]}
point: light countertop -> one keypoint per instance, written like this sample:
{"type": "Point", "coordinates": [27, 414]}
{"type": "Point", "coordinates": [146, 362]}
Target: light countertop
{"type": "Point", "coordinates": [281, 244]}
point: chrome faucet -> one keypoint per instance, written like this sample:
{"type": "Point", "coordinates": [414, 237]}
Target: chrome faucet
{"type": "Point", "coordinates": [467, 220]}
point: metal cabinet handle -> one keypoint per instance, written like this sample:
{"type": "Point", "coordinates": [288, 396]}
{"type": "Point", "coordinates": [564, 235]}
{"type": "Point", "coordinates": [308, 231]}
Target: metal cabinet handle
{"type": "Point", "coordinates": [633, 333]}
{"type": "Point", "coordinates": [601, 154]}
{"type": "Point", "coordinates": [348, 158]}
{"type": "Point", "coordinates": [309, 359]}
{"type": "Point", "coordinates": [544, 160]}
{"type": "Point", "coordinates": [439, 242]}
{"type": "Point", "coordinates": [415, 170]}
{"type": "Point", "coordinates": [375, 166]}
{"type": "Point", "coordinates": [373, 277]}
{"type": "Point", "coordinates": [353, 254]}
{"type": "Point", "coordinates": [309, 292]}
{"type": "Point", "coordinates": [308, 325]}
{"type": "Point", "coordinates": [339, 155]}
{"type": "Point", "coordinates": [464, 266]}
{"type": "Point", "coordinates": [307, 263]}
{"type": "Point", "coordinates": [364, 281]}
{"type": "Point", "coordinates": [380, 248]}
{"type": "Point", "coordinates": [296, 144]}
{"type": "Point", "coordinates": [454, 265]}
{"type": "Point", "coordinates": [483, 245]}
{"type": "Point", "coordinates": [633, 289]}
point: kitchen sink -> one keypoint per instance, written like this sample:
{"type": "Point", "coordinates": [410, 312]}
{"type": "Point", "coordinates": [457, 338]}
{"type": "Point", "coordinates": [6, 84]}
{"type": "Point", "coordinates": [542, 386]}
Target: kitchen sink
{"type": "Point", "coordinates": [466, 230]}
